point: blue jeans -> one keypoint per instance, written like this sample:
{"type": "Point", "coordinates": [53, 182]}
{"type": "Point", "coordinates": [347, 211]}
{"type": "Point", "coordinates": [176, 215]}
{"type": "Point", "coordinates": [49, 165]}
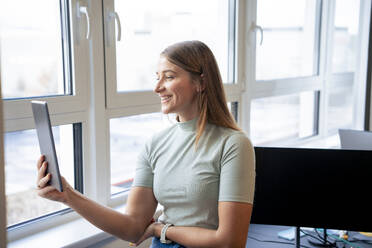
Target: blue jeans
{"type": "Point", "coordinates": [157, 244]}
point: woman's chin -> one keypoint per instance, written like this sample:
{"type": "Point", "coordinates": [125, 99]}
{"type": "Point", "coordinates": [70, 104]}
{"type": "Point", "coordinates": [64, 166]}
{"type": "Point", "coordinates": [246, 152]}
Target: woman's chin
{"type": "Point", "coordinates": [166, 110]}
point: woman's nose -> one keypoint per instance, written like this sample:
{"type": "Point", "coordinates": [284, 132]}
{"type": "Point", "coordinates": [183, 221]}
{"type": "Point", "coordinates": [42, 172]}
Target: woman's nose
{"type": "Point", "coordinates": [159, 86]}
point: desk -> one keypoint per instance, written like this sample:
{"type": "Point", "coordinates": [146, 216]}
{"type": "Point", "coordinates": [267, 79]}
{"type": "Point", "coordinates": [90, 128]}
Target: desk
{"type": "Point", "coordinates": [260, 233]}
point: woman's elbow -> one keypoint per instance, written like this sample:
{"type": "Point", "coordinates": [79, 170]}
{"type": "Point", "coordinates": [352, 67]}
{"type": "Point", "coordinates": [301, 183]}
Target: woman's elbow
{"type": "Point", "coordinates": [231, 241]}
{"type": "Point", "coordinates": [132, 233]}
{"type": "Point", "coordinates": [233, 244]}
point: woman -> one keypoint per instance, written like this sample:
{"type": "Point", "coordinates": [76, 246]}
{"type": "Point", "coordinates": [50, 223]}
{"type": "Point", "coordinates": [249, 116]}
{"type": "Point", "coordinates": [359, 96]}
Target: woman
{"type": "Point", "coordinates": [201, 169]}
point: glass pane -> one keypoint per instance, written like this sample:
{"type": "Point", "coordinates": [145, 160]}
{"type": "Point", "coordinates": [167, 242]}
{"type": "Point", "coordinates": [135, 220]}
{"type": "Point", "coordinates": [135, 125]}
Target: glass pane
{"type": "Point", "coordinates": [340, 109]}
{"type": "Point", "coordinates": [21, 154]}
{"type": "Point", "coordinates": [345, 36]}
{"type": "Point", "coordinates": [283, 118]}
{"type": "Point", "coordinates": [289, 39]}
{"type": "Point", "coordinates": [31, 48]}
{"type": "Point", "coordinates": [234, 107]}
{"type": "Point", "coordinates": [150, 26]}
{"type": "Point", "coordinates": [127, 137]}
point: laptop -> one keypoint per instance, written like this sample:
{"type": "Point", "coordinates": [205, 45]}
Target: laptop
{"type": "Point", "coordinates": [355, 139]}
{"type": "Point", "coordinates": [46, 141]}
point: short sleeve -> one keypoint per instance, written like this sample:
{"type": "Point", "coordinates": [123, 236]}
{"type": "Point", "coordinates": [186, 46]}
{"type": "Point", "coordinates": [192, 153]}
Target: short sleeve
{"type": "Point", "coordinates": [237, 178]}
{"type": "Point", "coordinates": [144, 175]}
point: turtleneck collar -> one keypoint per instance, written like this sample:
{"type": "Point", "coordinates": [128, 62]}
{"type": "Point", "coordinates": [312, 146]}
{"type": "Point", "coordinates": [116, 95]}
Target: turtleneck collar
{"type": "Point", "coordinates": [190, 125]}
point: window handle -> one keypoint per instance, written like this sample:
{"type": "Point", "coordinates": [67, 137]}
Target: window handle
{"type": "Point", "coordinates": [254, 28]}
{"type": "Point", "coordinates": [114, 15]}
{"type": "Point", "coordinates": [84, 10]}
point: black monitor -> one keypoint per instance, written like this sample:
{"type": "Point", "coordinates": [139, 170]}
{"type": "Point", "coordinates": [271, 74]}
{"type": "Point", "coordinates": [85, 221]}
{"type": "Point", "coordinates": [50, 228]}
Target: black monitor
{"type": "Point", "coordinates": [321, 188]}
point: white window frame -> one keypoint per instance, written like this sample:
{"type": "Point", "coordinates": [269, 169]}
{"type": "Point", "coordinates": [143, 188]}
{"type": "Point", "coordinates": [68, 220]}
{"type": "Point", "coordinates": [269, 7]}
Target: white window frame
{"type": "Point", "coordinates": [2, 176]}
{"type": "Point", "coordinates": [124, 100]}
{"type": "Point", "coordinates": [92, 105]}
{"type": "Point", "coordinates": [17, 112]}
{"type": "Point", "coordinates": [122, 104]}
{"type": "Point", "coordinates": [96, 100]}
{"type": "Point", "coordinates": [258, 89]}
{"type": "Point", "coordinates": [64, 109]}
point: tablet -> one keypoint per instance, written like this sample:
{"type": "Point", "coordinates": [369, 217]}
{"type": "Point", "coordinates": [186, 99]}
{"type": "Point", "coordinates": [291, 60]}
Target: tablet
{"type": "Point", "coordinates": [46, 141]}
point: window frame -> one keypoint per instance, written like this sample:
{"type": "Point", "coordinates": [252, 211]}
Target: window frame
{"type": "Point", "coordinates": [96, 101]}
{"type": "Point", "coordinates": [64, 109]}
{"type": "Point", "coordinates": [116, 99]}
{"type": "Point", "coordinates": [123, 104]}
{"type": "Point", "coordinates": [2, 175]}
{"type": "Point", "coordinates": [19, 108]}
{"type": "Point", "coordinates": [324, 80]}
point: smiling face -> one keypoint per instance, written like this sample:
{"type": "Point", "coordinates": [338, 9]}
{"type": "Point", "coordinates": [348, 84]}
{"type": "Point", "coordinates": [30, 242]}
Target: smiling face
{"type": "Point", "coordinates": [177, 91]}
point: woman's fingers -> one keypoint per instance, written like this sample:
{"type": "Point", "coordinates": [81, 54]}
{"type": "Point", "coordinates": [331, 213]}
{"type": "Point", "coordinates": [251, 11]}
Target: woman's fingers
{"type": "Point", "coordinates": [49, 192]}
{"type": "Point", "coordinates": [40, 161]}
{"type": "Point", "coordinates": [42, 171]}
{"type": "Point", "coordinates": [44, 181]}
{"type": "Point", "coordinates": [45, 190]}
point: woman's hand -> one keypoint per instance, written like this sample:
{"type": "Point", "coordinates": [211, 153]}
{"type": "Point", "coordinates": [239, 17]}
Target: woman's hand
{"type": "Point", "coordinates": [151, 231]}
{"type": "Point", "coordinates": [47, 191]}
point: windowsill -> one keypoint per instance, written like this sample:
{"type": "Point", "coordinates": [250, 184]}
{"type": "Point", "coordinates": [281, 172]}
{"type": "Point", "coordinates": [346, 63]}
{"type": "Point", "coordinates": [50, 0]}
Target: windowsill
{"type": "Point", "coordinates": [76, 233]}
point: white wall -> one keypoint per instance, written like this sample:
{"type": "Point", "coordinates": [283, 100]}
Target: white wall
{"type": "Point", "coordinates": [2, 179]}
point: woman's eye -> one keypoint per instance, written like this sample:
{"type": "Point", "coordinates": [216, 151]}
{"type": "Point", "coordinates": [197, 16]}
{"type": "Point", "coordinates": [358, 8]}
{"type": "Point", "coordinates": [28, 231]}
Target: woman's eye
{"type": "Point", "coordinates": [169, 77]}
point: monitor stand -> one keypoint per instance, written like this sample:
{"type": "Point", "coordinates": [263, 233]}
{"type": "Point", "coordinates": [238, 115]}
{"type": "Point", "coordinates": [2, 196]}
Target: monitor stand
{"type": "Point", "coordinates": [298, 237]}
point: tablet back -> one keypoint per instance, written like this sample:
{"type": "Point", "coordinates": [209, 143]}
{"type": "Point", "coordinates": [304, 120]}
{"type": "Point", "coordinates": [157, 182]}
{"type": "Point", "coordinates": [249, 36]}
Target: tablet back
{"type": "Point", "coordinates": [46, 141]}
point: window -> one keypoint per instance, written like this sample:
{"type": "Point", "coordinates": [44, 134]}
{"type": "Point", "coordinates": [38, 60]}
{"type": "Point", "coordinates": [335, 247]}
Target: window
{"type": "Point", "coordinates": [147, 29]}
{"type": "Point", "coordinates": [345, 36]}
{"type": "Point", "coordinates": [342, 92]}
{"type": "Point", "coordinates": [32, 51]}
{"type": "Point", "coordinates": [38, 57]}
{"type": "Point", "coordinates": [99, 89]}
{"type": "Point", "coordinates": [127, 138]}
{"type": "Point", "coordinates": [20, 172]}
{"type": "Point", "coordinates": [289, 41]}
{"type": "Point", "coordinates": [135, 34]}
{"type": "Point", "coordinates": [94, 62]}
{"type": "Point", "coordinates": [288, 117]}
{"type": "Point", "coordinates": [308, 77]}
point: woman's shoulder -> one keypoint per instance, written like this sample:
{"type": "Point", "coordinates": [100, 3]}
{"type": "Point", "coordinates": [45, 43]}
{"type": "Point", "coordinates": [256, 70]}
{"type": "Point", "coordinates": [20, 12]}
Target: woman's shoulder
{"type": "Point", "coordinates": [229, 137]}
{"type": "Point", "coordinates": [228, 133]}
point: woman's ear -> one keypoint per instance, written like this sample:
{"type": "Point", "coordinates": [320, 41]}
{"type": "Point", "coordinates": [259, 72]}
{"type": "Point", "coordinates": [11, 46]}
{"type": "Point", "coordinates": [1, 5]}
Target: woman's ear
{"type": "Point", "coordinates": [201, 83]}
{"type": "Point", "coordinates": [199, 87]}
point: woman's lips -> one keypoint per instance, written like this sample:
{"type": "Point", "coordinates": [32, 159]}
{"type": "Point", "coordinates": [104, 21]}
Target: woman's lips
{"type": "Point", "coordinates": [165, 99]}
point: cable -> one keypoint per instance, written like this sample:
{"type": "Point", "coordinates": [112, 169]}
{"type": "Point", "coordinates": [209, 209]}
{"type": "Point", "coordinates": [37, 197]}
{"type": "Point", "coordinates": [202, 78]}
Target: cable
{"type": "Point", "coordinates": [321, 239]}
{"type": "Point", "coordinates": [336, 238]}
{"type": "Point", "coordinates": [278, 242]}
{"type": "Point", "coordinates": [324, 239]}
{"type": "Point", "coordinates": [345, 241]}
{"type": "Point", "coordinates": [349, 242]}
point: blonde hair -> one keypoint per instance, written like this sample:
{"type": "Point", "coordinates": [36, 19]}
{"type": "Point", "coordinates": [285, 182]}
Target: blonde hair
{"type": "Point", "coordinates": [196, 58]}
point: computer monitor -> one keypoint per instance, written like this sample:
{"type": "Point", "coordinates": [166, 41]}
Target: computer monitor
{"type": "Point", "coordinates": [355, 139]}
{"type": "Point", "coordinates": [321, 188]}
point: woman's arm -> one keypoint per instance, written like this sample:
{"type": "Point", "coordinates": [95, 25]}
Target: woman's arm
{"type": "Point", "coordinates": [234, 219]}
{"type": "Point", "coordinates": [130, 226]}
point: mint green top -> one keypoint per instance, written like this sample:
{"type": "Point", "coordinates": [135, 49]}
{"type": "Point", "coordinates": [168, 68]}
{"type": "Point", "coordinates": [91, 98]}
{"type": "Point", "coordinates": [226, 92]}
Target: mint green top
{"type": "Point", "coordinates": [189, 183]}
